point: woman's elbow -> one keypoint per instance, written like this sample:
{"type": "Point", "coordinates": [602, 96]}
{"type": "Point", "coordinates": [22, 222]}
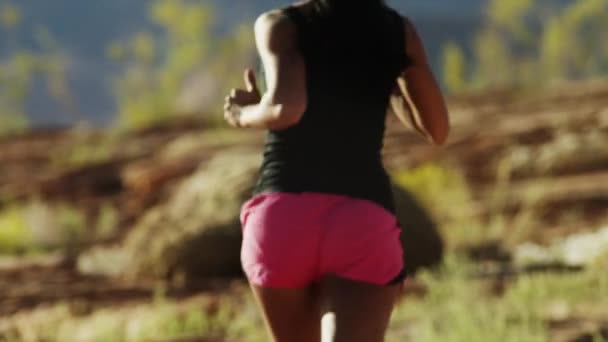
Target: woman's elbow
{"type": "Point", "coordinates": [289, 115]}
{"type": "Point", "coordinates": [437, 124]}
{"type": "Point", "coordinates": [439, 136]}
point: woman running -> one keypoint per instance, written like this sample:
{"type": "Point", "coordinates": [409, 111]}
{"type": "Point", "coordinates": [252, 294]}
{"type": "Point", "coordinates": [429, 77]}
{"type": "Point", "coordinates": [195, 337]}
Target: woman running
{"type": "Point", "coordinates": [320, 232]}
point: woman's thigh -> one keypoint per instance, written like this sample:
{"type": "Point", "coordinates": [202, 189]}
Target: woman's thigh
{"type": "Point", "coordinates": [291, 314]}
{"type": "Point", "coordinates": [362, 311]}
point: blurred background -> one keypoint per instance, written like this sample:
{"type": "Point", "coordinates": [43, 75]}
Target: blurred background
{"type": "Point", "coordinates": [120, 185]}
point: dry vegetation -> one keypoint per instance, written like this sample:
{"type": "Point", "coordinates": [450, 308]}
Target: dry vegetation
{"type": "Point", "coordinates": [520, 168]}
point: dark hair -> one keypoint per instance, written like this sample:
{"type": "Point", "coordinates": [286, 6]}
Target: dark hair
{"type": "Point", "coordinates": [350, 2]}
{"type": "Point", "coordinates": [350, 25]}
{"type": "Point", "coordinates": [346, 6]}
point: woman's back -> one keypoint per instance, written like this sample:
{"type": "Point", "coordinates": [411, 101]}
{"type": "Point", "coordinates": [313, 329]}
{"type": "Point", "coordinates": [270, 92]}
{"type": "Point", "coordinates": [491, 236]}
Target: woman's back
{"type": "Point", "coordinates": [353, 58]}
{"type": "Point", "coordinates": [312, 236]}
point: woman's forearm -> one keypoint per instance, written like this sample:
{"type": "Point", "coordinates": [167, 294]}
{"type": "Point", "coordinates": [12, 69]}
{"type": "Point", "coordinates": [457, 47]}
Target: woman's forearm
{"type": "Point", "coordinates": [267, 116]}
{"type": "Point", "coordinates": [257, 116]}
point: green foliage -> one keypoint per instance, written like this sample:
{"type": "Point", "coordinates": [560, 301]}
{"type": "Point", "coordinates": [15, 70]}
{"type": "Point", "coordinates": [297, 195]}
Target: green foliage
{"type": "Point", "coordinates": [10, 16]}
{"type": "Point", "coordinates": [494, 60]}
{"type": "Point", "coordinates": [15, 236]}
{"type": "Point", "coordinates": [438, 188]}
{"type": "Point", "coordinates": [456, 308]}
{"type": "Point", "coordinates": [72, 224]}
{"type": "Point", "coordinates": [87, 148]}
{"type": "Point", "coordinates": [19, 69]}
{"type": "Point", "coordinates": [224, 318]}
{"type": "Point", "coordinates": [459, 308]}
{"type": "Point", "coordinates": [37, 226]}
{"type": "Point", "coordinates": [583, 26]}
{"type": "Point", "coordinates": [510, 16]}
{"type": "Point", "coordinates": [78, 155]}
{"type": "Point", "coordinates": [54, 71]}
{"type": "Point", "coordinates": [447, 194]}
{"type": "Point", "coordinates": [16, 75]}
{"type": "Point", "coordinates": [107, 221]}
{"type": "Point", "coordinates": [12, 122]}
{"type": "Point", "coordinates": [554, 49]}
{"type": "Point", "coordinates": [454, 67]}
{"type": "Point", "coordinates": [526, 43]}
{"type": "Point", "coordinates": [157, 69]}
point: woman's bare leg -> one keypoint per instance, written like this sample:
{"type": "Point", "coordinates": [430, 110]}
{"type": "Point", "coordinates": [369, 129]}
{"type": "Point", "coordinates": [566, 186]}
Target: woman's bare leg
{"type": "Point", "coordinates": [291, 315]}
{"type": "Point", "coordinates": [362, 311]}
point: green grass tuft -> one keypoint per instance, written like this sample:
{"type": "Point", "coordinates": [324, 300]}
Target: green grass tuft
{"type": "Point", "coordinates": [459, 308]}
{"type": "Point", "coordinates": [15, 236]}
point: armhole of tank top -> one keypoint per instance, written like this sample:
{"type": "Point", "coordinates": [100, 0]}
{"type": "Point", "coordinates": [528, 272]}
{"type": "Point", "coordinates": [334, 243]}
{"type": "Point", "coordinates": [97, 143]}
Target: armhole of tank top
{"type": "Point", "coordinates": [400, 23]}
{"type": "Point", "coordinates": [298, 19]}
{"type": "Point", "coordinates": [407, 60]}
{"type": "Point", "coordinates": [294, 14]}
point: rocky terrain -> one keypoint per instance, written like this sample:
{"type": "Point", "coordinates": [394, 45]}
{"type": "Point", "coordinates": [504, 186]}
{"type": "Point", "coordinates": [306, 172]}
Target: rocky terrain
{"type": "Point", "coordinates": [537, 160]}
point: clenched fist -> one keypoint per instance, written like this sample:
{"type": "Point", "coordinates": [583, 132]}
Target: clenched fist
{"type": "Point", "coordinates": [239, 98]}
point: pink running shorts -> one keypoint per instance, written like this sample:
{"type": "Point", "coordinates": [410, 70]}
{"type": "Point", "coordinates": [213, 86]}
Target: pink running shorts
{"type": "Point", "coordinates": [293, 239]}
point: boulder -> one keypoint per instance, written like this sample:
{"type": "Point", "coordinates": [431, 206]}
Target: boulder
{"type": "Point", "coordinates": [422, 243]}
{"type": "Point", "coordinates": [197, 233]}
{"type": "Point", "coordinates": [578, 250]}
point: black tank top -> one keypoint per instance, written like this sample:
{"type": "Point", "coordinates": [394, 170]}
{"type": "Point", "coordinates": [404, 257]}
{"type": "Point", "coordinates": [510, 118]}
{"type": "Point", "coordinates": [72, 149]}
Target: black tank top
{"type": "Point", "coordinates": [352, 63]}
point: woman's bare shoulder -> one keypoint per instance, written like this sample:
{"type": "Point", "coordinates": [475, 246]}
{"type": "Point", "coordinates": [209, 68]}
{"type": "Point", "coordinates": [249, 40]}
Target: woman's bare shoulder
{"type": "Point", "coordinates": [277, 19]}
{"type": "Point", "coordinates": [275, 28]}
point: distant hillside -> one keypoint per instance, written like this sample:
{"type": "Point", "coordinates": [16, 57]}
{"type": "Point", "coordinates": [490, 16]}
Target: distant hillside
{"type": "Point", "coordinates": [85, 28]}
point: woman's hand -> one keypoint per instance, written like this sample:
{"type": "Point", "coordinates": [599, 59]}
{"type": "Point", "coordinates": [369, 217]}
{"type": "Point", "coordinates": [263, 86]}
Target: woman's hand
{"type": "Point", "coordinates": [239, 98]}
{"type": "Point", "coordinates": [284, 102]}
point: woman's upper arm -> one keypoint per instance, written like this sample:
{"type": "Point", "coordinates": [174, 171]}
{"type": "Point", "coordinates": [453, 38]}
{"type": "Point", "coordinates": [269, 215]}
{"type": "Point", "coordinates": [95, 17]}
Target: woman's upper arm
{"type": "Point", "coordinates": [277, 44]}
{"type": "Point", "coordinates": [422, 88]}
